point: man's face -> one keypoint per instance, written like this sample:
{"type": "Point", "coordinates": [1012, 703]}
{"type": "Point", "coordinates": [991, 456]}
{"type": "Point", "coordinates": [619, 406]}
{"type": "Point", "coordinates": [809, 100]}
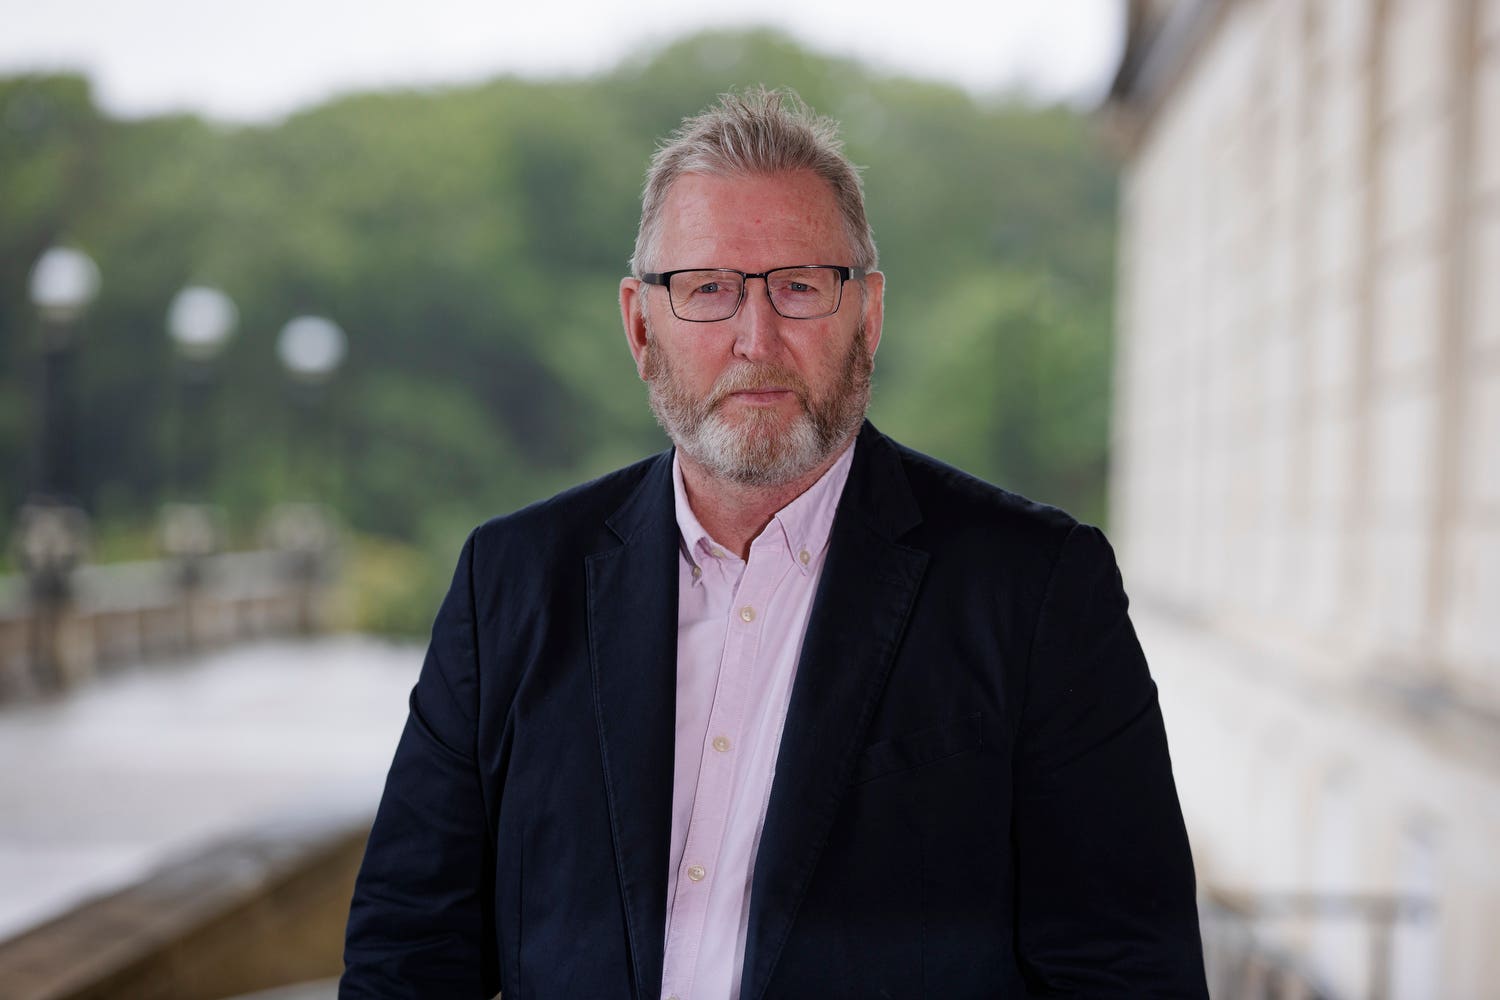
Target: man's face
{"type": "Point", "coordinates": [757, 398]}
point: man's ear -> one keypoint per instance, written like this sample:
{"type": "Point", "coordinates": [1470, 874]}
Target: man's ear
{"type": "Point", "coordinates": [874, 307]}
{"type": "Point", "coordinates": [633, 315]}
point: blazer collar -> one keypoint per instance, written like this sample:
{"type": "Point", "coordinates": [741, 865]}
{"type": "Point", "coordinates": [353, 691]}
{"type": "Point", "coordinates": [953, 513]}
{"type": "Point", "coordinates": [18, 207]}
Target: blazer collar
{"type": "Point", "coordinates": [632, 633]}
{"type": "Point", "coordinates": [877, 492]}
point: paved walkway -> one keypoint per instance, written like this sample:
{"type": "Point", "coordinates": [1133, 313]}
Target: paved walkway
{"type": "Point", "coordinates": [101, 786]}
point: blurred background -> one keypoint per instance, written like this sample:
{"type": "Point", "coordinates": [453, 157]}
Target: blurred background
{"type": "Point", "coordinates": [292, 298]}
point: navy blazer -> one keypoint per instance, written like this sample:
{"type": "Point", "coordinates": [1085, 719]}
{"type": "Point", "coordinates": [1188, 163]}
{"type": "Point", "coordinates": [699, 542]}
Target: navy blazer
{"type": "Point", "coordinates": [972, 799]}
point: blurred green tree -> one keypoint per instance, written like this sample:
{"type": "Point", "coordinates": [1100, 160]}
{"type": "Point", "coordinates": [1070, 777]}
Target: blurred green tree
{"type": "Point", "coordinates": [470, 241]}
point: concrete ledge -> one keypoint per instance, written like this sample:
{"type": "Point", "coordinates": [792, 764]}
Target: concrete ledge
{"type": "Point", "coordinates": [260, 910]}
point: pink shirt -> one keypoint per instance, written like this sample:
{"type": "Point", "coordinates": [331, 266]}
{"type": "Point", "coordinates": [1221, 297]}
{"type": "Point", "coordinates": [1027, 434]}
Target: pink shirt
{"type": "Point", "coordinates": [740, 626]}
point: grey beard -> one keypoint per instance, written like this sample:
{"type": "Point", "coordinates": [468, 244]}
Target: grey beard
{"type": "Point", "coordinates": [753, 453]}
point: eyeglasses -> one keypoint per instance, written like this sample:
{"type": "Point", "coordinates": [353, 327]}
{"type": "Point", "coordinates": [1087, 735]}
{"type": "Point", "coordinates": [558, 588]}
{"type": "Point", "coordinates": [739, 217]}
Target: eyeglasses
{"type": "Point", "coordinates": [707, 295]}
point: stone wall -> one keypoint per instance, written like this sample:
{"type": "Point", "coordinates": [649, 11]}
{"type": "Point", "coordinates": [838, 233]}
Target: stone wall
{"type": "Point", "coordinates": [264, 909]}
{"type": "Point", "coordinates": [1306, 488]}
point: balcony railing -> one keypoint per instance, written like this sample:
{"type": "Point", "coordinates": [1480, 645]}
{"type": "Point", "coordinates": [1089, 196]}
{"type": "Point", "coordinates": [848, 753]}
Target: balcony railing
{"type": "Point", "coordinates": [1246, 962]}
{"type": "Point", "coordinates": [107, 615]}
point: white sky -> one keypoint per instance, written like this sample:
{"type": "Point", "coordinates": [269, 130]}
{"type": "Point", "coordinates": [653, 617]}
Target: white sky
{"type": "Point", "coordinates": [255, 60]}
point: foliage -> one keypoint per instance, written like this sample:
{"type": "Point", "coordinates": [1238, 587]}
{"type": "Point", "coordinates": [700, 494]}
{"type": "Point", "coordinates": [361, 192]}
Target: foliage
{"type": "Point", "coordinates": [471, 240]}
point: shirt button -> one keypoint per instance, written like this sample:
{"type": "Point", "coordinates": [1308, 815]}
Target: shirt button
{"type": "Point", "coordinates": [716, 552]}
{"type": "Point", "coordinates": [804, 556]}
{"type": "Point", "coordinates": [697, 572]}
{"type": "Point", "coordinates": [721, 744]}
{"type": "Point", "coordinates": [747, 613]}
{"type": "Point", "coordinates": [697, 873]}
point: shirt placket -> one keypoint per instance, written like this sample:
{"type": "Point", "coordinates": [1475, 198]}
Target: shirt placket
{"type": "Point", "coordinates": [714, 794]}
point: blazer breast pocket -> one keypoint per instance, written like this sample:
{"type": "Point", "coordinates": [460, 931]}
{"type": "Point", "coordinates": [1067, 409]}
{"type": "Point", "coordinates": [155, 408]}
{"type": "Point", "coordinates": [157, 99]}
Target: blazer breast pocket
{"type": "Point", "coordinates": [919, 747]}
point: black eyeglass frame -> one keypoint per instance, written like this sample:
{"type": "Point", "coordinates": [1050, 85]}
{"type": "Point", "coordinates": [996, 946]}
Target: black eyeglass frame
{"type": "Point", "coordinates": [845, 274]}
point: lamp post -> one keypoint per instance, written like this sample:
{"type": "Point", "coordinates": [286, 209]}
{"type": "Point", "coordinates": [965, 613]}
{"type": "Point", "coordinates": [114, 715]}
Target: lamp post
{"type": "Point", "coordinates": [63, 283]}
{"type": "Point", "coordinates": [311, 348]}
{"type": "Point", "coordinates": [200, 322]}
{"type": "Point", "coordinates": [52, 531]}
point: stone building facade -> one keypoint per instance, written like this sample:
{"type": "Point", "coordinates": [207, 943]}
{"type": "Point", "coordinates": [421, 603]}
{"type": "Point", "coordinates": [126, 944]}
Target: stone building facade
{"type": "Point", "coordinates": [1306, 485]}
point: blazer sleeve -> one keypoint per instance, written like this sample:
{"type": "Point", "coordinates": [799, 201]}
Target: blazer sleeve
{"type": "Point", "coordinates": [421, 922]}
{"type": "Point", "coordinates": [1106, 904]}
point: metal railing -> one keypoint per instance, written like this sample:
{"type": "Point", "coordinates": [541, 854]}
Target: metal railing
{"type": "Point", "coordinates": [1245, 962]}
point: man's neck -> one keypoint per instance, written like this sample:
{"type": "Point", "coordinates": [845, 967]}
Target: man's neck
{"type": "Point", "coordinates": [734, 514]}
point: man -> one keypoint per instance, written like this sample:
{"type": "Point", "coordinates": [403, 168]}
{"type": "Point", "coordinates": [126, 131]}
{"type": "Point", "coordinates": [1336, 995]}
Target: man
{"type": "Point", "coordinates": [789, 711]}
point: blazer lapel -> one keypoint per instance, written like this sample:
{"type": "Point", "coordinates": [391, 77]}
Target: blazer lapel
{"type": "Point", "coordinates": [864, 597]}
{"type": "Point", "coordinates": [632, 621]}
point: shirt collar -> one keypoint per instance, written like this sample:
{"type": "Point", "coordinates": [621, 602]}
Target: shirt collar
{"type": "Point", "coordinates": [802, 526]}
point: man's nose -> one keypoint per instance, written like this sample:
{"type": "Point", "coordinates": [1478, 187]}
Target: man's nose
{"type": "Point", "coordinates": [758, 329]}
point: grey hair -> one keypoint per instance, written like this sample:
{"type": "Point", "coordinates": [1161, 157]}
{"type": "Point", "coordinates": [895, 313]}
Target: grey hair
{"type": "Point", "coordinates": [756, 133]}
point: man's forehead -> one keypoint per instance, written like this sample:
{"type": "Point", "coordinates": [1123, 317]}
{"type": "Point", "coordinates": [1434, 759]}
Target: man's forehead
{"type": "Point", "coordinates": [796, 209]}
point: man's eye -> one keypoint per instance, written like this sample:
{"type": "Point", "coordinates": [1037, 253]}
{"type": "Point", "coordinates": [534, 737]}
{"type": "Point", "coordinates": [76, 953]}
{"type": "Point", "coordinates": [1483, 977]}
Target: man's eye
{"type": "Point", "coordinates": [707, 288]}
{"type": "Point", "coordinates": [797, 286]}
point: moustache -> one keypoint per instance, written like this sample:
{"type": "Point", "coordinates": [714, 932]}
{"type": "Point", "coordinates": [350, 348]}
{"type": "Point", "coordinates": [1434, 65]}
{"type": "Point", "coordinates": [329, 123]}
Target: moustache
{"type": "Point", "coordinates": [747, 378]}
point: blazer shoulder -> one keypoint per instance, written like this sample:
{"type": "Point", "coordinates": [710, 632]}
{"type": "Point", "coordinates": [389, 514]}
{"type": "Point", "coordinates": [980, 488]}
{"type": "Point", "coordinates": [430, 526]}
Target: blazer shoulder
{"type": "Point", "coordinates": [984, 532]}
{"type": "Point", "coordinates": [569, 521]}
{"type": "Point", "coordinates": [964, 508]}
